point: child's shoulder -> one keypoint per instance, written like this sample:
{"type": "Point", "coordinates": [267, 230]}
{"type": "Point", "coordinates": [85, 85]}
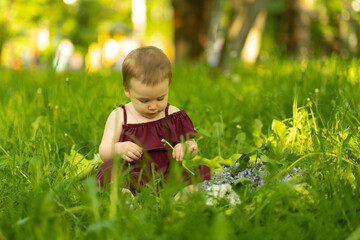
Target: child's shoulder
{"type": "Point", "coordinates": [173, 109]}
{"type": "Point", "coordinates": [117, 114]}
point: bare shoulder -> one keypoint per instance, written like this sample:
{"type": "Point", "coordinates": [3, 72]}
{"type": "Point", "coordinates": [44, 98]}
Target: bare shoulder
{"type": "Point", "coordinates": [117, 113]}
{"type": "Point", "coordinates": [173, 109]}
{"type": "Point", "coordinates": [113, 126]}
{"type": "Point", "coordinates": [116, 117]}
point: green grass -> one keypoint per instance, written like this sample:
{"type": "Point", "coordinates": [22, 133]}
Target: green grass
{"type": "Point", "coordinates": [302, 114]}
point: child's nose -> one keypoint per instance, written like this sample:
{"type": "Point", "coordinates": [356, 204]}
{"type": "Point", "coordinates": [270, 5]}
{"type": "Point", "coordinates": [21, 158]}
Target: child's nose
{"type": "Point", "coordinates": [152, 106]}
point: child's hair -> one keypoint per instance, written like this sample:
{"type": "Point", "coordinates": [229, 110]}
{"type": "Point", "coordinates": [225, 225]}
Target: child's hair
{"type": "Point", "coordinates": [148, 64]}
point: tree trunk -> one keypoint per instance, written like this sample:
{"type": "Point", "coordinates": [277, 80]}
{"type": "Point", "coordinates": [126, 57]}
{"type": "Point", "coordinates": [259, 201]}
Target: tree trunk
{"type": "Point", "coordinates": [296, 29]}
{"type": "Point", "coordinates": [216, 34]}
{"type": "Point", "coordinates": [354, 38]}
{"type": "Point", "coordinates": [349, 30]}
{"type": "Point", "coordinates": [243, 18]}
{"type": "Point", "coordinates": [191, 23]}
{"type": "Point", "coordinates": [251, 49]}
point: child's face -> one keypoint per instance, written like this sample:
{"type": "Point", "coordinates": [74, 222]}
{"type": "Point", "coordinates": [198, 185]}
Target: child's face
{"type": "Point", "coordinates": [148, 101]}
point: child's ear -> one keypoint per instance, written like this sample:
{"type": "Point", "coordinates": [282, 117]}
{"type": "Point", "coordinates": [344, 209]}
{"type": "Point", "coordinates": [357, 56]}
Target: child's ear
{"type": "Point", "coordinates": [127, 92]}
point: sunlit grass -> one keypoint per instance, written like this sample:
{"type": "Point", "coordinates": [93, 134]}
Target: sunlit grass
{"type": "Point", "coordinates": [287, 114]}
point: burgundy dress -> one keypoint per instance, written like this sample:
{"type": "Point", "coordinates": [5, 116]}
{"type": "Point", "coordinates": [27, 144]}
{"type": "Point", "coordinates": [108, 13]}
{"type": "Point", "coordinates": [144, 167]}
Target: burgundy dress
{"type": "Point", "coordinates": [156, 154]}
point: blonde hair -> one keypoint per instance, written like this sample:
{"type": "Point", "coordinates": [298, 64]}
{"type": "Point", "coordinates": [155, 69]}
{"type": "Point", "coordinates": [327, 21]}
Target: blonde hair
{"type": "Point", "coordinates": [148, 64]}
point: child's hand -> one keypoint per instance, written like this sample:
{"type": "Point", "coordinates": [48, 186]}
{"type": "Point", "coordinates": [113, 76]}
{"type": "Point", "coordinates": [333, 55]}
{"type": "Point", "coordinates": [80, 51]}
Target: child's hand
{"type": "Point", "coordinates": [193, 147]}
{"type": "Point", "coordinates": [179, 150]}
{"type": "Point", "coordinates": [130, 151]}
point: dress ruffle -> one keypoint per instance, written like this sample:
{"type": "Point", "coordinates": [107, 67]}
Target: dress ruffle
{"type": "Point", "coordinates": [149, 135]}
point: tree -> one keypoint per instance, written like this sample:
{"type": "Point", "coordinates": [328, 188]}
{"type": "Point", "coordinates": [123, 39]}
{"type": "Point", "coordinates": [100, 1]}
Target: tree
{"type": "Point", "coordinates": [243, 17]}
{"type": "Point", "coordinates": [191, 25]}
{"type": "Point", "coordinates": [296, 28]}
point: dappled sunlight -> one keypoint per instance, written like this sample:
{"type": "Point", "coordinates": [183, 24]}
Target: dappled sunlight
{"type": "Point", "coordinates": [70, 1]}
{"type": "Point", "coordinates": [69, 43]}
{"type": "Point", "coordinates": [139, 16]}
{"type": "Point", "coordinates": [93, 58]}
{"type": "Point", "coordinates": [43, 39]}
{"type": "Point", "coordinates": [356, 5]}
{"type": "Point", "coordinates": [127, 45]}
{"type": "Point", "coordinates": [160, 41]}
{"type": "Point", "coordinates": [63, 55]}
{"type": "Point", "coordinates": [31, 35]}
{"type": "Point", "coordinates": [110, 52]}
{"type": "Point", "coordinates": [253, 41]}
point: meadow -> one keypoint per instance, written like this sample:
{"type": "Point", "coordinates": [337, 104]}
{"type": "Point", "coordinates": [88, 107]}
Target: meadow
{"type": "Point", "coordinates": [280, 114]}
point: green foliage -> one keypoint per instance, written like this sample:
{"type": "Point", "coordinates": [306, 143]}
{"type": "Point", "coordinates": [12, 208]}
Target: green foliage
{"type": "Point", "coordinates": [282, 114]}
{"type": "Point", "coordinates": [80, 22]}
{"type": "Point", "coordinates": [76, 165]}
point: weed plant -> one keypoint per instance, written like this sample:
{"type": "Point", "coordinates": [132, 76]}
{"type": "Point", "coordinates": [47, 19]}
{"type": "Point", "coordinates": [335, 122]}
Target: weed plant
{"type": "Point", "coordinates": [282, 114]}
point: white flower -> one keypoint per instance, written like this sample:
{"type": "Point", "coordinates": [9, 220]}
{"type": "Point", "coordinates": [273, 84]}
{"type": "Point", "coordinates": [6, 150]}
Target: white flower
{"type": "Point", "coordinates": [216, 193]}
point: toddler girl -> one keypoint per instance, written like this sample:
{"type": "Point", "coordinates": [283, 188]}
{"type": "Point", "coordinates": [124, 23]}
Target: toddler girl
{"type": "Point", "coordinates": [134, 131]}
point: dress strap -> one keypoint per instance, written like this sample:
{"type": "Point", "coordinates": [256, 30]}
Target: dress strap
{"type": "Point", "coordinates": [125, 117]}
{"type": "Point", "coordinates": [167, 110]}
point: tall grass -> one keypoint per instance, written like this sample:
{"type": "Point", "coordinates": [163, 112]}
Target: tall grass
{"type": "Point", "coordinates": [290, 114]}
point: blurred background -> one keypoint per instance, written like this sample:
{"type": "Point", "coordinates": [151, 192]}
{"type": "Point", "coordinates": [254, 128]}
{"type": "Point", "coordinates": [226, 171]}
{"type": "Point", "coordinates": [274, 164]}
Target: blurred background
{"type": "Point", "coordinates": [97, 34]}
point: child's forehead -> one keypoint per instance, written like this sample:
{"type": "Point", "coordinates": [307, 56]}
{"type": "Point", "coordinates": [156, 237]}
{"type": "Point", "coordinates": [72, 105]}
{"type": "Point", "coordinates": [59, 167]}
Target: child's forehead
{"type": "Point", "coordinates": [141, 89]}
{"type": "Point", "coordinates": [135, 83]}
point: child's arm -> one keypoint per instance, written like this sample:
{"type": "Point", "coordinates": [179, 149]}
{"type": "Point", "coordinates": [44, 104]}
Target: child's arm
{"type": "Point", "coordinates": [110, 146]}
{"type": "Point", "coordinates": [180, 148]}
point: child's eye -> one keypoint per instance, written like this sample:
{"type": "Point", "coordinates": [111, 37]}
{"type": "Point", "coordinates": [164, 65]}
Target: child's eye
{"type": "Point", "coordinates": [160, 99]}
{"type": "Point", "coordinates": [143, 101]}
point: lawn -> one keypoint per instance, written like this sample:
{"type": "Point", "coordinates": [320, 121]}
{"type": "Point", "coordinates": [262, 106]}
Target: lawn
{"type": "Point", "coordinates": [286, 133]}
